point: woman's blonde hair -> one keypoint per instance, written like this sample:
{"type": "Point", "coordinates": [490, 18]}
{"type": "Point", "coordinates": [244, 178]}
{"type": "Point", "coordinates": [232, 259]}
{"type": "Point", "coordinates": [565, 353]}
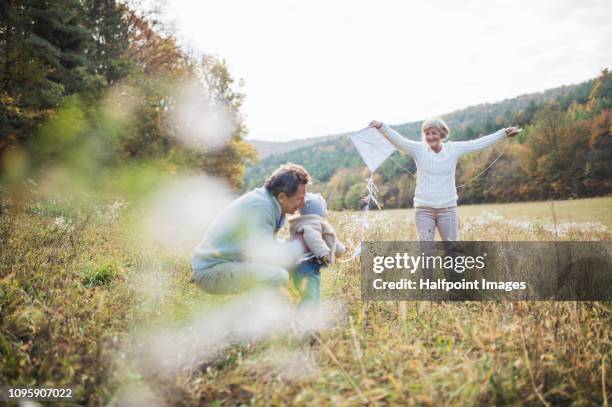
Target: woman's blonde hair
{"type": "Point", "coordinates": [435, 123]}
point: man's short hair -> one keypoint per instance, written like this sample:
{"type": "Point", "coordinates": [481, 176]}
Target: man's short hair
{"type": "Point", "coordinates": [287, 178]}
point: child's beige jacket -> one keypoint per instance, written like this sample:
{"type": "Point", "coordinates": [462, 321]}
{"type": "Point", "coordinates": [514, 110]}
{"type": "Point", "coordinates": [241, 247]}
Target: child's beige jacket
{"type": "Point", "coordinates": [319, 235]}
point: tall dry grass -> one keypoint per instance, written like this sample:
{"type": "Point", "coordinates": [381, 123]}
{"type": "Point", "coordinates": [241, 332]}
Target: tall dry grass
{"type": "Point", "coordinates": [77, 284]}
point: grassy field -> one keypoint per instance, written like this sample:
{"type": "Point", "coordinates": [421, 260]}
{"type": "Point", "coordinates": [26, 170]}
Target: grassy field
{"type": "Point", "coordinates": [575, 210]}
{"type": "Point", "coordinates": [86, 303]}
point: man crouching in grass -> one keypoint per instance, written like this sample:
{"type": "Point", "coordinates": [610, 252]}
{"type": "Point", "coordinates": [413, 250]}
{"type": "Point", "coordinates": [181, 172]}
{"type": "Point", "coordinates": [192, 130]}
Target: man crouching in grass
{"type": "Point", "coordinates": [239, 250]}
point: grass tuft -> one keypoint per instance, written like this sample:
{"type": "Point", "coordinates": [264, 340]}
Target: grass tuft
{"type": "Point", "coordinates": [96, 275]}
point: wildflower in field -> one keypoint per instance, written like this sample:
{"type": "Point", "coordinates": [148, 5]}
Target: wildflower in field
{"type": "Point", "coordinates": [112, 211]}
{"type": "Point", "coordinates": [61, 224]}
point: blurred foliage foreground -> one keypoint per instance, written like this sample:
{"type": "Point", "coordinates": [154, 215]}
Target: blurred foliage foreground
{"type": "Point", "coordinates": [77, 282]}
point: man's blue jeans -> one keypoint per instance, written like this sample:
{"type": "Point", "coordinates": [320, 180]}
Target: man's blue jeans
{"type": "Point", "coordinates": [306, 277]}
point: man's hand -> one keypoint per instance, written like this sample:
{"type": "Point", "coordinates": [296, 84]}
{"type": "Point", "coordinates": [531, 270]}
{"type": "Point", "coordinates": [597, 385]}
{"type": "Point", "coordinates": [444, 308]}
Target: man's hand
{"type": "Point", "coordinates": [375, 124]}
{"type": "Point", "coordinates": [512, 131]}
{"type": "Point", "coordinates": [326, 259]}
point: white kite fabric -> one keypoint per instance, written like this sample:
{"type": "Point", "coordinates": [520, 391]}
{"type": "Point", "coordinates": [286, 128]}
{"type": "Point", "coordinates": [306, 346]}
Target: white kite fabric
{"type": "Point", "coordinates": [372, 146]}
{"type": "Point", "coordinates": [374, 150]}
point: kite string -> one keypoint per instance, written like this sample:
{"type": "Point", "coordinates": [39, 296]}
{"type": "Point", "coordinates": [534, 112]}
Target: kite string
{"type": "Point", "coordinates": [392, 159]}
{"type": "Point", "coordinates": [372, 196]}
{"type": "Point", "coordinates": [488, 166]}
{"type": "Point", "coordinates": [372, 192]}
{"type": "Point", "coordinates": [402, 167]}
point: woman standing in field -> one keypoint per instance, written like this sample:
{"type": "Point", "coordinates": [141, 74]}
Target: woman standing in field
{"type": "Point", "coordinates": [435, 197]}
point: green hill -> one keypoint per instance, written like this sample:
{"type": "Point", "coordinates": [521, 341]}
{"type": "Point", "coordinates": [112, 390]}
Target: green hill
{"type": "Point", "coordinates": [266, 149]}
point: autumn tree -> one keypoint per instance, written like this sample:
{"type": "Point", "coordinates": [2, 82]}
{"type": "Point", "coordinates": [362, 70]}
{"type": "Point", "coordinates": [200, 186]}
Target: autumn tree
{"type": "Point", "coordinates": [598, 172]}
{"type": "Point", "coordinates": [93, 78]}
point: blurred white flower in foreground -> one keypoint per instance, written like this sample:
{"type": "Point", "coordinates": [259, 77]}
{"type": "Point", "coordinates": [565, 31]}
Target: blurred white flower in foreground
{"type": "Point", "coordinates": [198, 121]}
{"type": "Point", "coordinates": [179, 213]}
{"type": "Point", "coordinates": [253, 317]}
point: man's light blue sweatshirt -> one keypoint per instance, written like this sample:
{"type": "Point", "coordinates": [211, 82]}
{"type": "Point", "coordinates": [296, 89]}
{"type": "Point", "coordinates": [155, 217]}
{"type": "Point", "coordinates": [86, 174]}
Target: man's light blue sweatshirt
{"type": "Point", "coordinates": [254, 215]}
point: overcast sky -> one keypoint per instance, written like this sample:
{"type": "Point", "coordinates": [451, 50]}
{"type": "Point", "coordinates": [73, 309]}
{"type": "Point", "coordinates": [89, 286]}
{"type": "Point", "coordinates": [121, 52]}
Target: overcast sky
{"type": "Point", "coordinates": [321, 67]}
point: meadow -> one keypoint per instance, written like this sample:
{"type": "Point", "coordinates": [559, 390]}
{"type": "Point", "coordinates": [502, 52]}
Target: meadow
{"type": "Point", "coordinates": [86, 303]}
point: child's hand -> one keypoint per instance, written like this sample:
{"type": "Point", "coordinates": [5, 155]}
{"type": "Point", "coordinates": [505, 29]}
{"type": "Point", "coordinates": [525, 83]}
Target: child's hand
{"type": "Point", "coordinates": [326, 259]}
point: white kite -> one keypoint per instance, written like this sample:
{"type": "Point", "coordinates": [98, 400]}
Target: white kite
{"type": "Point", "coordinates": [374, 150]}
{"type": "Point", "coordinates": [372, 146]}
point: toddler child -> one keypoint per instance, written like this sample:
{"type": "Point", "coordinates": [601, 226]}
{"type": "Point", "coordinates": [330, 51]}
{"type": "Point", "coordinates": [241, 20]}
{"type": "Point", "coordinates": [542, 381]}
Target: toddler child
{"type": "Point", "coordinates": [323, 245]}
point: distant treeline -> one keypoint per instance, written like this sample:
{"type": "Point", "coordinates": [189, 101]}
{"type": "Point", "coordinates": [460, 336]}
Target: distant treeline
{"type": "Point", "coordinates": [563, 152]}
{"type": "Point", "coordinates": [92, 83]}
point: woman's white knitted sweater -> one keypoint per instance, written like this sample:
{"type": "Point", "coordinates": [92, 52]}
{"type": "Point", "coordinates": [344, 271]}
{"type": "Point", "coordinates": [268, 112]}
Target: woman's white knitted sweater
{"type": "Point", "coordinates": [435, 186]}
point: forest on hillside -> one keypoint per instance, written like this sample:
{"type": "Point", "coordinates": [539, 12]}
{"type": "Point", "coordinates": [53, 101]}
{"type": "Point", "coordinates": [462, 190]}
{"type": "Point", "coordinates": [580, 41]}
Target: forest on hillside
{"type": "Point", "coordinates": [563, 152]}
{"type": "Point", "coordinates": [95, 86]}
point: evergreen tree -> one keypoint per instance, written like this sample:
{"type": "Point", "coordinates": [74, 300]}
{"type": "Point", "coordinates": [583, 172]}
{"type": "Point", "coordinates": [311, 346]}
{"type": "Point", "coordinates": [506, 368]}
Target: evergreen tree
{"type": "Point", "coordinates": [108, 23]}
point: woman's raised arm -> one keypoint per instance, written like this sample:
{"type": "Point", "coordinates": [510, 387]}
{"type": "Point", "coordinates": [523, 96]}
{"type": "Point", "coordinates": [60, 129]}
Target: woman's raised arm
{"type": "Point", "coordinates": [406, 145]}
{"type": "Point", "coordinates": [464, 147]}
